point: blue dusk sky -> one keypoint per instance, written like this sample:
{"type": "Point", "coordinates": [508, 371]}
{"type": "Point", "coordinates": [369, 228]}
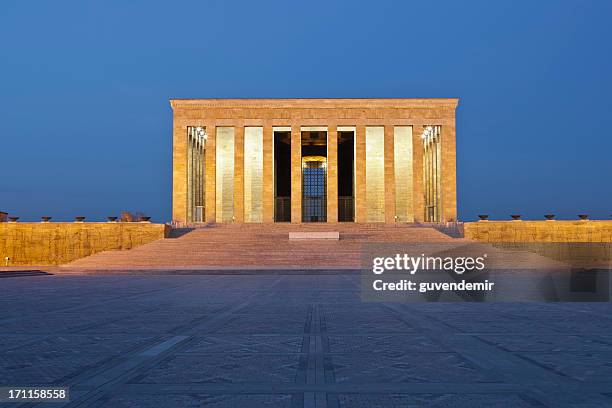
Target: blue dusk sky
{"type": "Point", "coordinates": [85, 122]}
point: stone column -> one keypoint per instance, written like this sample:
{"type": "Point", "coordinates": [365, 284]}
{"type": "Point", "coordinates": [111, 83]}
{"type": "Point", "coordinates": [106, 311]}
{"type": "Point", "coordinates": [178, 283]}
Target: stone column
{"type": "Point", "coordinates": [417, 172]}
{"type": "Point", "coordinates": [448, 182]}
{"type": "Point", "coordinates": [296, 174]}
{"type": "Point", "coordinates": [239, 174]}
{"type": "Point", "coordinates": [198, 175]}
{"type": "Point", "coordinates": [190, 194]}
{"type": "Point", "coordinates": [268, 174]}
{"type": "Point", "coordinates": [360, 174]}
{"type": "Point", "coordinates": [179, 171]}
{"type": "Point", "coordinates": [202, 175]}
{"type": "Point", "coordinates": [211, 177]}
{"type": "Point", "coordinates": [389, 175]}
{"type": "Point", "coordinates": [332, 173]}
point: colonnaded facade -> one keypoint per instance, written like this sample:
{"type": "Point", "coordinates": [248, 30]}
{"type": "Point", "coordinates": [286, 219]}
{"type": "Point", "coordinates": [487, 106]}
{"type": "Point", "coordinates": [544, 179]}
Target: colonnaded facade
{"type": "Point", "coordinates": [314, 160]}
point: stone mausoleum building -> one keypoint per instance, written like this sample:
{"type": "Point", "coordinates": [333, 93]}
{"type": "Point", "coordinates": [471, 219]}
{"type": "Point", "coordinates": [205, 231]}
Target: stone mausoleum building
{"type": "Point", "coordinates": [314, 160]}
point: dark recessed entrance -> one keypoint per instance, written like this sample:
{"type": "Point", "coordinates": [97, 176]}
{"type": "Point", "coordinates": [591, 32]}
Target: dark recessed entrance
{"type": "Point", "coordinates": [314, 176]}
{"type": "Point", "coordinates": [346, 179]}
{"type": "Point", "coordinates": [282, 176]}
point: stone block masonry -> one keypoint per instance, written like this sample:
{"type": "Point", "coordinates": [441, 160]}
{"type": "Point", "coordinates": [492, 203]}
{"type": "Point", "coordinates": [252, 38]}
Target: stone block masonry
{"type": "Point", "coordinates": [294, 115]}
{"type": "Point", "coordinates": [539, 231]}
{"type": "Point", "coordinates": [56, 243]}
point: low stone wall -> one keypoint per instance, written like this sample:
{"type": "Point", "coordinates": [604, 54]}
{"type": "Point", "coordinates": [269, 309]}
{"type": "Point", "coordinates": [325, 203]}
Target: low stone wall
{"type": "Point", "coordinates": [56, 243]}
{"type": "Point", "coordinates": [539, 231]}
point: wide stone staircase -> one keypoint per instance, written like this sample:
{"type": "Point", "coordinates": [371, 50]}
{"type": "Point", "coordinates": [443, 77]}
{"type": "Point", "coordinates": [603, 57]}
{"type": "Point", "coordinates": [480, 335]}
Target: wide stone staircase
{"type": "Point", "coordinates": [258, 246]}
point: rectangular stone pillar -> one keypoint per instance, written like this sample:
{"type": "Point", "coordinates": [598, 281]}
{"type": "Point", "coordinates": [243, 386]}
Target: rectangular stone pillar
{"type": "Point", "coordinates": [449, 173]}
{"type": "Point", "coordinates": [224, 167]}
{"type": "Point", "coordinates": [332, 173]}
{"type": "Point", "coordinates": [179, 172]}
{"type": "Point", "coordinates": [402, 162]}
{"type": "Point", "coordinates": [389, 175]}
{"type": "Point", "coordinates": [239, 174]}
{"type": "Point", "coordinates": [211, 176]}
{"type": "Point", "coordinates": [417, 172]}
{"type": "Point", "coordinates": [360, 174]}
{"type": "Point", "coordinates": [268, 173]}
{"type": "Point", "coordinates": [296, 174]}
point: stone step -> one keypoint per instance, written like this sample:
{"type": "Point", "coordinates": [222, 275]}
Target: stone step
{"type": "Point", "coordinates": [256, 246]}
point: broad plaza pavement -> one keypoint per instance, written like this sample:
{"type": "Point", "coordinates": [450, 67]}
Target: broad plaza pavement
{"type": "Point", "coordinates": [282, 340]}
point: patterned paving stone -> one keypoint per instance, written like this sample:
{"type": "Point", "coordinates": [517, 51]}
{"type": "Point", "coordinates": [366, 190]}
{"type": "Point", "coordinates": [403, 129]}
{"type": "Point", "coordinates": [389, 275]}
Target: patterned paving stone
{"type": "Point", "coordinates": [265, 324]}
{"type": "Point", "coordinates": [382, 344]}
{"type": "Point", "coordinates": [56, 323]}
{"type": "Point", "coordinates": [494, 324]}
{"type": "Point", "coordinates": [225, 368]}
{"type": "Point", "coordinates": [110, 344]}
{"type": "Point", "coordinates": [364, 323]}
{"type": "Point", "coordinates": [432, 401]}
{"type": "Point", "coordinates": [578, 324]}
{"type": "Point", "coordinates": [594, 367]}
{"type": "Point", "coordinates": [178, 309]}
{"type": "Point", "coordinates": [62, 358]}
{"type": "Point", "coordinates": [399, 367]}
{"type": "Point", "coordinates": [295, 341]}
{"type": "Point", "coordinates": [8, 342]}
{"type": "Point", "coordinates": [548, 342]}
{"type": "Point", "coordinates": [52, 367]}
{"type": "Point", "coordinates": [272, 309]}
{"type": "Point", "coordinates": [144, 324]}
{"type": "Point", "coordinates": [351, 306]}
{"type": "Point", "coordinates": [246, 344]}
{"type": "Point", "coordinates": [201, 400]}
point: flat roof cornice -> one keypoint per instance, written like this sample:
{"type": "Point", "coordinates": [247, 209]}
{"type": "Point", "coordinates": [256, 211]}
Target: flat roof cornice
{"type": "Point", "coordinates": [317, 103]}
